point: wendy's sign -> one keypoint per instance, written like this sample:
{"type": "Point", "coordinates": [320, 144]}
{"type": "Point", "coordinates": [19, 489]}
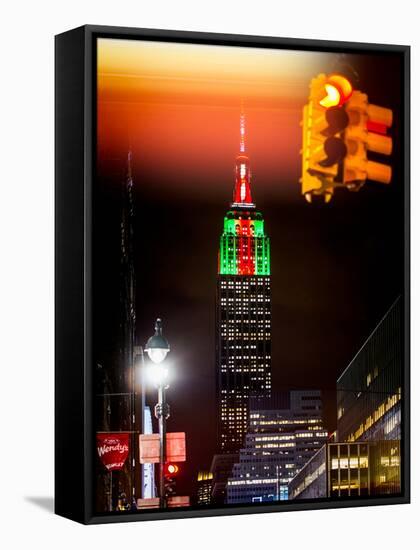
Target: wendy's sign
{"type": "Point", "coordinates": [112, 449]}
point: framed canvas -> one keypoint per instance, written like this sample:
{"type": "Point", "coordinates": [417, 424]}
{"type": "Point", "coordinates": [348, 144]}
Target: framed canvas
{"type": "Point", "coordinates": [232, 274]}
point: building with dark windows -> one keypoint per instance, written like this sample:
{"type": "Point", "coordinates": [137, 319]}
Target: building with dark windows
{"type": "Point", "coordinates": [284, 433]}
{"type": "Point", "coordinates": [243, 314]}
{"type": "Point", "coordinates": [365, 458]}
{"type": "Point", "coordinates": [117, 408]}
{"type": "Point", "coordinates": [221, 470]}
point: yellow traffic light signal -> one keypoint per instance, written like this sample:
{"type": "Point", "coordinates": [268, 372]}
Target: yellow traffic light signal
{"type": "Point", "coordinates": [324, 120]}
{"type": "Point", "coordinates": [339, 128]}
{"type": "Point", "coordinates": [367, 129]}
{"type": "Point", "coordinates": [338, 90]}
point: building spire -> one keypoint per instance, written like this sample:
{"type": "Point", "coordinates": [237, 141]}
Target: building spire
{"type": "Point", "coordinates": [242, 132]}
{"type": "Point", "coordinates": [242, 192]}
{"type": "Point", "coordinates": [129, 168]}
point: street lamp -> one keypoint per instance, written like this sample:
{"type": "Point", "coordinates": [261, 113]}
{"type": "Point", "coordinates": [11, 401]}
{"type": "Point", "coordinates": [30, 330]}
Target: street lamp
{"type": "Point", "coordinates": [157, 348]}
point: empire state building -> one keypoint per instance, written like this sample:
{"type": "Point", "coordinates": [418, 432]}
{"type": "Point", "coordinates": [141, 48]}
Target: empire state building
{"type": "Point", "coordinates": [243, 310]}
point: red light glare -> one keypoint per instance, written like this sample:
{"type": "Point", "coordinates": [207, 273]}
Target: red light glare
{"type": "Point", "coordinates": [172, 468]}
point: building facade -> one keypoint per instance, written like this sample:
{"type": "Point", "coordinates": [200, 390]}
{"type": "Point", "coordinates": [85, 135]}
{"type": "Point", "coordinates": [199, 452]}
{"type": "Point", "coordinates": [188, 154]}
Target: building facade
{"type": "Point", "coordinates": [117, 408]}
{"type": "Point", "coordinates": [311, 481]}
{"type": "Point", "coordinates": [279, 442]}
{"type": "Point", "coordinates": [243, 311]}
{"type": "Point", "coordinates": [369, 390]}
{"type": "Point", "coordinates": [204, 488]}
{"type": "Point", "coordinates": [221, 469]}
{"type": "Point", "coordinates": [350, 470]}
{"type": "Point", "coordinates": [365, 458]}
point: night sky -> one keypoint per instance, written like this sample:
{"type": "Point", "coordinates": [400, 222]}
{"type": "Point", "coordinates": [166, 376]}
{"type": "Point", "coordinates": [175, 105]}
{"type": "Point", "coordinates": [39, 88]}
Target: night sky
{"type": "Point", "coordinates": [335, 268]}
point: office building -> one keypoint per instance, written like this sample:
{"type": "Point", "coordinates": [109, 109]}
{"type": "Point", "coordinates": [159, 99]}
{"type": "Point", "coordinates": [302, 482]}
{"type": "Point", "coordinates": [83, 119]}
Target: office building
{"type": "Point", "coordinates": [350, 470]}
{"type": "Point", "coordinates": [221, 470]}
{"type": "Point", "coordinates": [279, 442]}
{"type": "Point", "coordinates": [369, 390]}
{"type": "Point", "coordinates": [204, 488]}
{"type": "Point", "coordinates": [365, 458]}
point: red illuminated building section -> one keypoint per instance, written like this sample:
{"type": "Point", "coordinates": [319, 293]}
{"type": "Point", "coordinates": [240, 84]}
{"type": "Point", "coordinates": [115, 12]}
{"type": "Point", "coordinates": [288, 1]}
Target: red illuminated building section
{"type": "Point", "coordinates": [242, 192]}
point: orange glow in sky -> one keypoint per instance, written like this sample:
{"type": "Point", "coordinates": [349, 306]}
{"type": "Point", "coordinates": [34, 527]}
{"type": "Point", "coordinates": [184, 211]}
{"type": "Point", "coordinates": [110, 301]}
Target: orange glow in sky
{"type": "Point", "coordinates": [177, 106]}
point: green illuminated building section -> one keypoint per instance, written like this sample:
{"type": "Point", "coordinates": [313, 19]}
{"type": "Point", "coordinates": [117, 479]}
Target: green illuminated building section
{"type": "Point", "coordinates": [244, 247]}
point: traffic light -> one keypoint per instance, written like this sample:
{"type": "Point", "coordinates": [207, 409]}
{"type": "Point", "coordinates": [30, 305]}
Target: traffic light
{"type": "Point", "coordinates": [366, 131]}
{"type": "Point", "coordinates": [324, 120]}
{"type": "Point", "coordinates": [170, 472]}
{"type": "Point", "coordinates": [340, 127]}
{"type": "Point", "coordinates": [171, 469]}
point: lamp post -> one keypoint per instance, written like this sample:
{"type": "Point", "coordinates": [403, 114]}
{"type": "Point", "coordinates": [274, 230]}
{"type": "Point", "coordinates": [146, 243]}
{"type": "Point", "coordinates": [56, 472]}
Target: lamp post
{"type": "Point", "coordinates": [139, 380]}
{"type": "Point", "coordinates": [157, 348]}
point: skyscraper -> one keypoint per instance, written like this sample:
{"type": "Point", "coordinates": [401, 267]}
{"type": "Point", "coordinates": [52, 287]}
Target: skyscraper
{"type": "Point", "coordinates": [243, 317]}
{"type": "Point", "coordinates": [117, 408]}
{"type": "Point", "coordinates": [126, 369]}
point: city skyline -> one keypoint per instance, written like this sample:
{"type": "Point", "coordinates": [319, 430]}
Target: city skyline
{"type": "Point", "coordinates": [177, 227]}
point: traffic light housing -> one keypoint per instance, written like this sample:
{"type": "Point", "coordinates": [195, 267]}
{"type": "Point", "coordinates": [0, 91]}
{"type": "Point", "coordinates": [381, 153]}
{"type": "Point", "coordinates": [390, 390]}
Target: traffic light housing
{"type": "Point", "coordinates": [366, 131]}
{"type": "Point", "coordinates": [339, 128]}
{"type": "Point", "coordinates": [170, 472]}
{"type": "Point", "coordinates": [324, 121]}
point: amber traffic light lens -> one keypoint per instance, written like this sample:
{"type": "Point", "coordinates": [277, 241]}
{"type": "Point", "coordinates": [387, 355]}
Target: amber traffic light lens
{"type": "Point", "coordinates": [338, 90]}
{"type": "Point", "coordinates": [344, 86]}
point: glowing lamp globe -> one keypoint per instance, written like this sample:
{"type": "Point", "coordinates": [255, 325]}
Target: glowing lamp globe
{"type": "Point", "coordinates": [158, 375]}
{"type": "Point", "coordinates": [157, 346]}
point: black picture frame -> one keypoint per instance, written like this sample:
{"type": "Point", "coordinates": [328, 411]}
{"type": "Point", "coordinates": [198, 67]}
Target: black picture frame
{"type": "Point", "coordinates": [75, 158]}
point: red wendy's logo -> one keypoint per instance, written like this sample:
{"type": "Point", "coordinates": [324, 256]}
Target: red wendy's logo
{"type": "Point", "coordinates": [112, 450]}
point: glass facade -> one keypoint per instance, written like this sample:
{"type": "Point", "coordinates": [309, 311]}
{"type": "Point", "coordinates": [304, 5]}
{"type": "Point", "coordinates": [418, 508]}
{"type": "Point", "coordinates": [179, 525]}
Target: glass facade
{"type": "Point", "coordinates": [369, 390]}
{"type": "Point", "coordinates": [350, 470]}
{"type": "Point", "coordinates": [366, 457]}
